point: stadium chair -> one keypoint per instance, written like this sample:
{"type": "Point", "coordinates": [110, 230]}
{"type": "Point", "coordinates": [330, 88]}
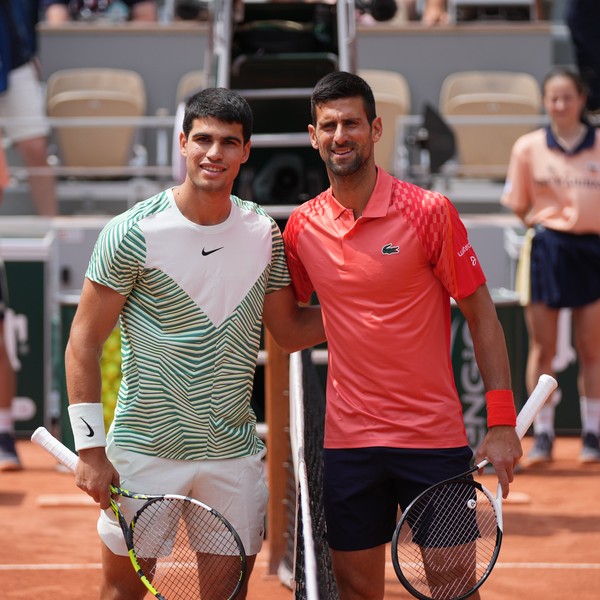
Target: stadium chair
{"type": "Point", "coordinates": [392, 95]}
{"type": "Point", "coordinates": [190, 83]}
{"type": "Point", "coordinates": [95, 93]}
{"type": "Point", "coordinates": [484, 147]}
{"type": "Point", "coordinates": [500, 82]}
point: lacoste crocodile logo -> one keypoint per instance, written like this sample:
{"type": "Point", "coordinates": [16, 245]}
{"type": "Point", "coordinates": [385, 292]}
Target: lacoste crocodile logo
{"type": "Point", "coordinates": [90, 430]}
{"type": "Point", "coordinates": [389, 249]}
{"type": "Point", "coordinates": [207, 252]}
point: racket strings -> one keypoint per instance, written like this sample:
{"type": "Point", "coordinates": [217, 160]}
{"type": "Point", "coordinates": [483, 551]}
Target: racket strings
{"type": "Point", "coordinates": [448, 541]}
{"type": "Point", "coordinates": [187, 551]}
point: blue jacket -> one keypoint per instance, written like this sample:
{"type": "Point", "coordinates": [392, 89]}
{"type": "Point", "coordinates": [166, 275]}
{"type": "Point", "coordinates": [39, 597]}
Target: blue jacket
{"type": "Point", "coordinates": [18, 38]}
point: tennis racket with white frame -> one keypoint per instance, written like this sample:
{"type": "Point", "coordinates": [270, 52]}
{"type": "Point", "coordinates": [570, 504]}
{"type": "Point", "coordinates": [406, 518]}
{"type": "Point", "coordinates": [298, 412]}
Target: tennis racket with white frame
{"type": "Point", "coordinates": [179, 547]}
{"type": "Point", "coordinates": [448, 538]}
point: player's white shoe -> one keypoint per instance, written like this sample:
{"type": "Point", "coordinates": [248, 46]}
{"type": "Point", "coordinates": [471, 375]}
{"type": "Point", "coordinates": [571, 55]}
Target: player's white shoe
{"type": "Point", "coordinates": [590, 451]}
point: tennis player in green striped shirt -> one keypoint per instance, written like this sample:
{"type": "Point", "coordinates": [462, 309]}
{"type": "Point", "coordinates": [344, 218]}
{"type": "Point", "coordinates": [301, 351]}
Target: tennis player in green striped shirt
{"type": "Point", "coordinates": [189, 274]}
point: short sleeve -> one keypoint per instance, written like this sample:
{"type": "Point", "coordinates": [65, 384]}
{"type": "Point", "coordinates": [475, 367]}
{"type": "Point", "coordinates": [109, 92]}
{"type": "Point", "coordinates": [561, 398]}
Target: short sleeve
{"type": "Point", "coordinates": [279, 276]}
{"type": "Point", "coordinates": [118, 257]}
{"type": "Point", "coordinates": [457, 265]}
{"type": "Point", "coordinates": [516, 189]}
{"type": "Point", "coordinates": [302, 283]}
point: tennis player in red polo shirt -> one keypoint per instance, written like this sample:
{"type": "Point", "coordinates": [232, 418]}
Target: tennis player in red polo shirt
{"type": "Point", "coordinates": [385, 257]}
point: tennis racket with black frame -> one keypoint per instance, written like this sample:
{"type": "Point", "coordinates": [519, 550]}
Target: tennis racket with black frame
{"type": "Point", "coordinates": [179, 547]}
{"type": "Point", "coordinates": [448, 538]}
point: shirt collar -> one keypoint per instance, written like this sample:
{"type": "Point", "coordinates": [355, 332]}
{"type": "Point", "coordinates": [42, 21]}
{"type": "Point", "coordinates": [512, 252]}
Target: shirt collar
{"type": "Point", "coordinates": [378, 203]}
{"type": "Point", "coordinates": [586, 143]}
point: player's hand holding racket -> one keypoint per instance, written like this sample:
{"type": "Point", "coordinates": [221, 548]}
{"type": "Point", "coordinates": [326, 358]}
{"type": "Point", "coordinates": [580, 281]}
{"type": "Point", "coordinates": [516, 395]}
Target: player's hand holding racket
{"type": "Point", "coordinates": [179, 547]}
{"type": "Point", "coordinates": [448, 538]}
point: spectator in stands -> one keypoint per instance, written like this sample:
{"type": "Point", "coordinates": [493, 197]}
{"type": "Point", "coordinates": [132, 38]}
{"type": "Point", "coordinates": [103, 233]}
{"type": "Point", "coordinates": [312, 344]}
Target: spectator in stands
{"type": "Point", "coordinates": [409, 9]}
{"type": "Point", "coordinates": [553, 186]}
{"type": "Point", "coordinates": [62, 11]}
{"type": "Point", "coordinates": [21, 96]}
{"type": "Point", "coordinates": [435, 12]}
{"type": "Point", "coordinates": [372, 11]}
{"type": "Point", "coordinates": [9, 460]}
{"type": "Point", "coordinates": [582, 18]}
{"type": "Point", "coordinates": [384, 258]}
{"type": "Point", "coordinates": [196, 10]}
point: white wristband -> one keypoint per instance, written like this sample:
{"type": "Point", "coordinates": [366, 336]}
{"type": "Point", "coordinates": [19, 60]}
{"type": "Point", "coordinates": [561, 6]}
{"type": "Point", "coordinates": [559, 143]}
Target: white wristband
{"type": "Point", "coordinates": [87, 423]}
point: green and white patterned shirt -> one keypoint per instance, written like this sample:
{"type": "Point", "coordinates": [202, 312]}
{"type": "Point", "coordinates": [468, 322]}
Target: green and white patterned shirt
{"type": "Point", "coordinates": [191, 325]}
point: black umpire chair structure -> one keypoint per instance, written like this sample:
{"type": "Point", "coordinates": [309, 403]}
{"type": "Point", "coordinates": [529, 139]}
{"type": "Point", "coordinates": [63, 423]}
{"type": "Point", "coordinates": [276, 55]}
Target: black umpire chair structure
{"type": "Point", "coordinates": [273, 53]}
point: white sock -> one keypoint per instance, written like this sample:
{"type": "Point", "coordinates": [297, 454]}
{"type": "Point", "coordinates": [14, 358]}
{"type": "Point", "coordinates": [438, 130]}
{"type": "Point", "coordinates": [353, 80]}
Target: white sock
{"type": "Point", "coordinates": [544, 420]}
{"type": "Point", "coordinates": [590, 414]}
{"type": "Point", "coordinates": [6, 420]}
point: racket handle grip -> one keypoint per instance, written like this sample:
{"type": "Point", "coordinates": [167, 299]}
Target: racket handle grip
{"type": "Point", "coordinates": [544, 388]}
{"type": "Point", "coordinates": [42, 437]}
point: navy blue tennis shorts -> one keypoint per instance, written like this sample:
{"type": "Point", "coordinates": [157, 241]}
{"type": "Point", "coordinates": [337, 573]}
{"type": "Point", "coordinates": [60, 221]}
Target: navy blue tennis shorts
{"type": "Point", "coordinates": [565, 268]}
{"type": "Point", "coordinates": [363, 488]}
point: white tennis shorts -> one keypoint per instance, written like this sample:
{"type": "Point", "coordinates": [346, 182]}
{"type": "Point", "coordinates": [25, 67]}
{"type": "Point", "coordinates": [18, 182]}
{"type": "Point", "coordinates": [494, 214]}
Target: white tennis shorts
{"type": "Point", "coordinates": [24, 98]}
{"type": "Point", "coordinates": [234, 487]}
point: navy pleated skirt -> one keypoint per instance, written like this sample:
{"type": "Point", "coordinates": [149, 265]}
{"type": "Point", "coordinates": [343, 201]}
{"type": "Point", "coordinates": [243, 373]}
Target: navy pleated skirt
{"type": "Point", "coordinates": [565, 268]}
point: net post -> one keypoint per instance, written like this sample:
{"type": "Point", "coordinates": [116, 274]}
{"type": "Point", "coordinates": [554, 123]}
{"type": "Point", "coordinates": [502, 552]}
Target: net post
{"type": "Point", "coordinates": [277, 414]}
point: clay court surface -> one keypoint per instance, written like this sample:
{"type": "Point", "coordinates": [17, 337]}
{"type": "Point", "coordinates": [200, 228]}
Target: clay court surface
{"type": "Point", "coordinates": [551, 549]}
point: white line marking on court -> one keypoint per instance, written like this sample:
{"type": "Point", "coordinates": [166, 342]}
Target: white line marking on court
{"type": "Point", "coordinates": [69, 567]}
{"type": "Point", "coordinates": [548, 566]}
{"type": "Point", "coordinates": [556, 566]}
{"type": "Point", "coordinates": [98, 566]}
{"type": "Point", "coordinates": [50, 567]}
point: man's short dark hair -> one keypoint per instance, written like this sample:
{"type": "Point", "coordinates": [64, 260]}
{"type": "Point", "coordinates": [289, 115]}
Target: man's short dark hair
{"type": "Point", "coordinates": [221, 104]}
{"type": "Point", "coordinates": [341, 84]}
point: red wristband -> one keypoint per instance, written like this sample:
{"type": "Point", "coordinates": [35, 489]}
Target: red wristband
{"type": "Point", "coordinates": [500, 408]}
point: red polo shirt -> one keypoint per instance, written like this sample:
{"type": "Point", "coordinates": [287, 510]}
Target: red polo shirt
{"type": "Point", "coordinates": [384, 283]}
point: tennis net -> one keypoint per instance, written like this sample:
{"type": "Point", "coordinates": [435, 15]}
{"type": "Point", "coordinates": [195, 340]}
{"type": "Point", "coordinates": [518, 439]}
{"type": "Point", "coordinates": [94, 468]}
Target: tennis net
{"type": "Point", "coordinates": [307, 555]}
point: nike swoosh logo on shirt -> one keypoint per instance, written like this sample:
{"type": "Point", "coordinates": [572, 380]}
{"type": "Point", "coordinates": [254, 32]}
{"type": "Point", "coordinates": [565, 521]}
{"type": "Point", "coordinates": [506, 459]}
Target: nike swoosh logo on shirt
{"type": "Point", "coordinates": [207, 252]}
{"type": "Point", "coordinates": [91, 431]}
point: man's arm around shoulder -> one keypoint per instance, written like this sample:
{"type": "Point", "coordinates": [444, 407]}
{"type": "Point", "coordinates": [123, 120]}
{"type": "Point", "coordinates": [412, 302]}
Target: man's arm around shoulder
{"type": "Point", "coordinates": [293, 327]}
